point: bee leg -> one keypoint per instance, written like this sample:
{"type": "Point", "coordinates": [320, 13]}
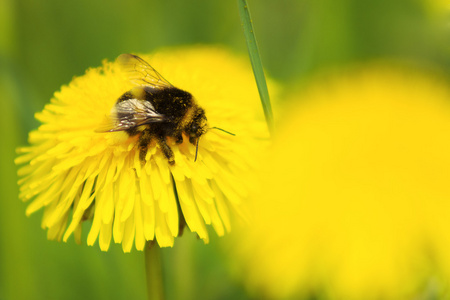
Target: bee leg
{"type": "Point", "coordinates": [144, 141]}
{"type": "Point", "coordinates": [142, 155]}
{"type": "Point", "coordinates": [179, 138]}
{"type": "Point", "coordinates": [193, 140]}
{"type": "Point", "coordinates": [168, 153]}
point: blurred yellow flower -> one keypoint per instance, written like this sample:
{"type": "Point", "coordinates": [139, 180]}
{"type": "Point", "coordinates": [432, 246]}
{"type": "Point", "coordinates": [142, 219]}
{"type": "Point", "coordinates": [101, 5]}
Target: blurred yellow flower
{"type": "Point", "coordinates": [355, 201]}
{"type": "Point", "coordinates": [76, 173]}
{"type": "Point", "coordinates": [440, 7]}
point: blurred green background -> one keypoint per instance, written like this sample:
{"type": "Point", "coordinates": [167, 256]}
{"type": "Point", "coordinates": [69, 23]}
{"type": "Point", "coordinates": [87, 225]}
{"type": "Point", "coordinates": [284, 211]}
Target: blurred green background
{"type": "Point", "coordinates": [43, 44]}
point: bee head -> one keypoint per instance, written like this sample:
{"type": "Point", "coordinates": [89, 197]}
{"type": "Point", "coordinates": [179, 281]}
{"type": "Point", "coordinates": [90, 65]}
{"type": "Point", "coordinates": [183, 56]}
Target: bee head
{"type": "Point", "coordinates": [198, 125]}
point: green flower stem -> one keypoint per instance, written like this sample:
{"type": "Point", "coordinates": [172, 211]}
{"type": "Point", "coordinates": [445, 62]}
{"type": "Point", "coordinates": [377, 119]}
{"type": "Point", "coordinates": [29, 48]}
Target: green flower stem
{"type": "Point", "coordinates": [255, 59]}
{"type": "Point", "coordinates": [153, 269]}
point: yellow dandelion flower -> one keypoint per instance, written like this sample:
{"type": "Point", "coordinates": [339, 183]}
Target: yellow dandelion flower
{"type": "Point", "coordinates": [77, 172]}
{"type": "Point", "coordinates": [355, 202]}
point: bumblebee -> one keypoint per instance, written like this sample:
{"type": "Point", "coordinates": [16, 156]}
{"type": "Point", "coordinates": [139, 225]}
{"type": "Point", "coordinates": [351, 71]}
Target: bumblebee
{"type": "Point", "coordinates": [155, 110]}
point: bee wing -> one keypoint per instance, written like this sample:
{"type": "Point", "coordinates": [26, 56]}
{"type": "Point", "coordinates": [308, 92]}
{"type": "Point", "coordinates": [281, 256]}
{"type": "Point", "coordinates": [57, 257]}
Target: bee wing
{"type": "Point", "coordinates": [140, 72]}
{"type": "Point", "coordinates": [130, 114]}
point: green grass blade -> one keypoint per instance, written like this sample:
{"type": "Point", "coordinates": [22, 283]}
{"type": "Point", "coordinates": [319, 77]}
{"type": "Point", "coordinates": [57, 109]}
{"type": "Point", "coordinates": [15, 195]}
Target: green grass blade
{"type": "Point", "coordinates": [256, 61]}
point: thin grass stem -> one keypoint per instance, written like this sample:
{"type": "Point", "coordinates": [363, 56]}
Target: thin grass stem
{"type": "Point", "coordinates": [255, 60]}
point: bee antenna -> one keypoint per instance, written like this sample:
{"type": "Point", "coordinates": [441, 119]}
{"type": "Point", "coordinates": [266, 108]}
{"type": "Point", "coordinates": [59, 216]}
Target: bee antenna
{"type": "Point", "coordinates": [196, 150]}
{"type": "Point", "coordinates": [223, 130]}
